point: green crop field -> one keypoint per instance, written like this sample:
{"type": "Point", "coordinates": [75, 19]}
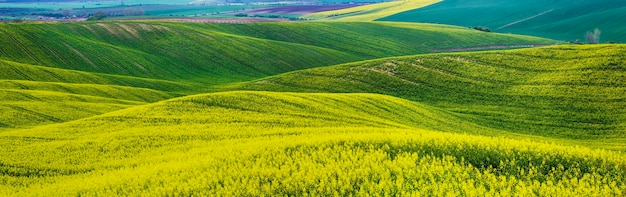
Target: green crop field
{"type": "Point", "coordinates": [206, 52]}
{"type": "Point", "coordinates": [147, 108]}
{"type": "Point", "coordinates": [570, 92]}
{"type": "Point", "coordinates": [151, 61]}
{"type": "Point", "coordinates": [560, 20]}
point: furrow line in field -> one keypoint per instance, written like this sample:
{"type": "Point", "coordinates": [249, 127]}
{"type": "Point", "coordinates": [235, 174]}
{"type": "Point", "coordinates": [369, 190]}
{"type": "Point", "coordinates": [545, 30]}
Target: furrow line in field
{"type": "Point", "coordinates": [529, 18]}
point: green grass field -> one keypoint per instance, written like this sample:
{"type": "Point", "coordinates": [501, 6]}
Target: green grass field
{"type": "Point", "coordinates": [570, 92]}
{"type": "Point", "coordinates": [219, 53]}
{"type": "Point", "coordinates": [558, 20]}
{"type": "Point", "coordinates": [310, 109]}
{"type": "Point", "coordinates": [160, 60]}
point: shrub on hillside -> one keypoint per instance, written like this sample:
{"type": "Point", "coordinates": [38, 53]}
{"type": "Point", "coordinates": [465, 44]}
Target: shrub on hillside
{"type": "Point", "coordinates": [593, 37]}
{"type": "Point", "coordinates": [481, 28]}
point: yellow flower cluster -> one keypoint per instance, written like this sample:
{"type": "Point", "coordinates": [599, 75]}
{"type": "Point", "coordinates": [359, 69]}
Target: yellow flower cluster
{"type": "Point", "coordinates": [338, 162]}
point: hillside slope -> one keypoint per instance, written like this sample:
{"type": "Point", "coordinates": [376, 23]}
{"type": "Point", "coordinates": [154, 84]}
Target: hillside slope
{"type": "Point", "coordinates": [572, 92]}
{"type": "Point", "coordinates": [257, 143]}
{"type": "Point", "coordinates": [142, 62]}
{"type": "Point", "coordinates": [35, 95]}
{"type": "Point", "coordinates": [243, 110]}
{"type": "Point", "coordinates": [220, 53]}
{"type": "Point", "coordinates": [560, 20]}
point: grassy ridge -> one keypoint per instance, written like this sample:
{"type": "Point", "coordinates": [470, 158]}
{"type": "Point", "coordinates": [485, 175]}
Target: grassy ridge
{"type": "Point", "coordinates": [254, 143]}
{"type": "Point", "coordinates": [369, 40]}
{"type": "Point", "coordinates": [145, 50]}
{"type": "Point", "coordinates": [28, 108]}
{"type": "Point", "coordinates": [267, 110]}
{"type": "Point", "coordinates": [151, 61]}
{"type": "Point", "coordinates": [98, 79]}
{"type": "Point", "coordinates": [107, 91]}
{"type": "Point", "coordinates": [220, 53]}
{"type": "Point", "coordinates": [26, 72]}
{"type": "Point", "coordinates": [551, 19]}
{"type": "Point", "coordinates": [36, 95]}
{"type": "Point", "coordinates": [566, 91]}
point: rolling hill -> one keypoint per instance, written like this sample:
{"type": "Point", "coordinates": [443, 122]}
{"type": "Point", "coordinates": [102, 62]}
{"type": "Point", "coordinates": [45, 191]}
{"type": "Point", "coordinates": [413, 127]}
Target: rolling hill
{"type": "Point", "coordinates": [560, 20]}
{"type": "Point", "coordinates": [255, 143]}
{"type": "Point", "coordinates": [220, 53]}
{"type": "Point", "coordinates": [571, 92]}
{"type": "Point", "coordinates": [36, 95]}
{"type": "Point", "coordinates": [141, 108]}
{"type": "Point", "coordinates": [142, 62]}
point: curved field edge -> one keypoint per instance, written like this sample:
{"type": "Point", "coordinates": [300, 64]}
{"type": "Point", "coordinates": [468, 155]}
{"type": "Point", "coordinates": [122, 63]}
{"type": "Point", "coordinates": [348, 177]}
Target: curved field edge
{"type": "Point", "coordinates": [266, 145]}
{"type": "Point", "coordinates": [565, 92]}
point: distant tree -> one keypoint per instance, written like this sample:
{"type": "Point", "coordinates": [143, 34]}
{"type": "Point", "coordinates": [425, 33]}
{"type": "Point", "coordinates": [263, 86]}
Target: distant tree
{"type": "Point", "coordinates": [593, 37]}
{"type": "Point", "coordinates": [97, 16]}
{"type": "Point", "coordinates": [481, 28]}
